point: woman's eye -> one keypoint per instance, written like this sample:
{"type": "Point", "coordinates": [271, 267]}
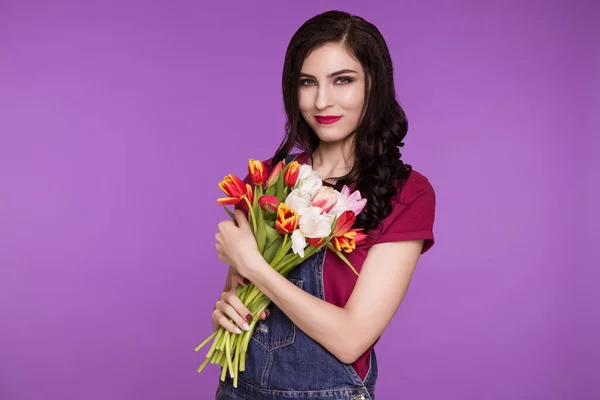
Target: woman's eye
{"type": "Point", "coordinates": [343, 81]}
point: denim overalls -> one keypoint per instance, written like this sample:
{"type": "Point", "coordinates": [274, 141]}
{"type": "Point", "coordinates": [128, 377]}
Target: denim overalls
{"type": "Point", "coordinates": [285, 363]}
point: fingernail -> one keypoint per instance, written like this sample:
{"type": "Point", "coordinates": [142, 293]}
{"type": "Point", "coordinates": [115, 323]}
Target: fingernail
{"type": "Point", "coordinates": [237, 330]}
{"type": "Point", "coordinates": [268, 312]}
{"type": "Point", "coordinates": [249, 318]}
{"type": "Point", "coordinates": [246, 327]}
{"type": "Point", "coordinates": [246, 281]}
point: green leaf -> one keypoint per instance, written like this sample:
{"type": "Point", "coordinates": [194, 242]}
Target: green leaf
{"type": "Point", "coordinates": [271, 224]}
{"type": "Point", "coordinates": [270, 191]}
{"type": "Point", "coordinates": [256, 197]}
{"type": "Point", "coordinates": [285, 247]}
{"type": "Point", "coordinates": [229, 212]}
{"type": "Point", "coordinates": [279, 186]}
{"type": "Point", "coordinates": [340, 255]}
{"type": "Point", "coordinates": [272, 248]}
{"type": "Point", "coordinates": [261, 231]}
{"type": "Point", "coordinates": [272, 233]}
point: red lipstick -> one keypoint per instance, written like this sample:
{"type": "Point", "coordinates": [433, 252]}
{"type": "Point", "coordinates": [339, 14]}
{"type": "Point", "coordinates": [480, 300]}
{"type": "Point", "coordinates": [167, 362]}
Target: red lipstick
{"type": "Point", "coordinates": [327, 119]}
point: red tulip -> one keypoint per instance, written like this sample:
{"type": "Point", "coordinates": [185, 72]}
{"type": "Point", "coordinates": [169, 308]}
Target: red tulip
{"type": "Point", "coordinates": [250, 195]}
{"type": "Point", "coordinates": [315, 242]}
{"type": "Point", "coordinates": [360, 237]}
{"type": "Point", "coordinates": [234, 188]}
{"type": "Point", "coordinates": [257, 170]}
{"type": "Point", "coordinates": [291, 174]}
{"type": "Point", "coordinates": [269, 203]}
{"type": "Point", "coordinates": [275, 174]}
{"type": "Point", "coordinates": [344, 223]}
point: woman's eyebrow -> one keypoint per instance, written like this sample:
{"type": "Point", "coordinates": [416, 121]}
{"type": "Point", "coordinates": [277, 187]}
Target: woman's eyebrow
{"type": "Point", "coordinates": [342, 71]}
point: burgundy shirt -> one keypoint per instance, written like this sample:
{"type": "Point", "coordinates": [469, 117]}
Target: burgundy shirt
{"type": "Point", "coordinates": [411, 219]}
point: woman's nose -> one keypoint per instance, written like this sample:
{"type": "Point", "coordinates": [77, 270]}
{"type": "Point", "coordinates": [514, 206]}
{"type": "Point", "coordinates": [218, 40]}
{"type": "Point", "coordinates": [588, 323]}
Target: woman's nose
{"type": "Point", "coordinates": [324, 98]}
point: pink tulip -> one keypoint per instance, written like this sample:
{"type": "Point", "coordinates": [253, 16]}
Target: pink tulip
{"type": "Point", "coordinates": [355, 202]}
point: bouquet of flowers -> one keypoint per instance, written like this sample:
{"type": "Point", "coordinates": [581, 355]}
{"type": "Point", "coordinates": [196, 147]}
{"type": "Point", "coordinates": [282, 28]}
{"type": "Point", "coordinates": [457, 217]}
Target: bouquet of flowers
{"type": "Point", "coordinates": [292, 215]}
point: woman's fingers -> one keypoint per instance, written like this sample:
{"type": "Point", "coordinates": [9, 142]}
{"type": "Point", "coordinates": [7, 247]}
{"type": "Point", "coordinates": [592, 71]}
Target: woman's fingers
{"type": "Point", "coordinates": [238, 306]}
{"type": "Point", "coordinates": [264, 314]}
{"type": "Point", "coordinates": [233, 307]}
{"type": "Point", "coordinates": [222, 320]}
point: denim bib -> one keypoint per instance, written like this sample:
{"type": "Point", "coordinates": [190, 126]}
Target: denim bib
{"type": "Point", "coordinates": [284, 363]}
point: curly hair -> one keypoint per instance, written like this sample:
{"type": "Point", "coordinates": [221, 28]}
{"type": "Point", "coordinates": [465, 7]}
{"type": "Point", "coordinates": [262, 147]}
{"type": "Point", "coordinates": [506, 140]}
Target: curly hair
{"type": "Point", "coordinates": [378, 171]}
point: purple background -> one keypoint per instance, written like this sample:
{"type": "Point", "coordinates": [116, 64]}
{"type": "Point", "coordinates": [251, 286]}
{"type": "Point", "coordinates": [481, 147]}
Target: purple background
{"type": "Point", "coordinates": [119, 118]}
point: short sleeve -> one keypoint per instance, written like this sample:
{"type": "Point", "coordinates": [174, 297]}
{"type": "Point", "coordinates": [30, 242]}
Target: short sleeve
{"type": "Point", "coordinates": [412, 221]}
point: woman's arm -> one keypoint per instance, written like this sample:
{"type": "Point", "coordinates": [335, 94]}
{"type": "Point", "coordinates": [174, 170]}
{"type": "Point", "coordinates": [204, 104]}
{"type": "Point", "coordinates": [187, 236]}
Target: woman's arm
{"type": "Point", "coordinates": [349, 331]}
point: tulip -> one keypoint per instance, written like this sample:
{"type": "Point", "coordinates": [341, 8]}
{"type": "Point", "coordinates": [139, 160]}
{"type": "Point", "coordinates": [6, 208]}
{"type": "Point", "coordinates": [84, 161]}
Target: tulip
{"type": "Point", "coordinates": [275, 174]}
{"type": "Point", "coordinates": [355, 202]}
{"type": "Point", "coordinates": [308, 180]}
{"type": "Point", "coordinates": [325, 198]}
{"type": "Point", "coordinates": [340, 206]}
{"type": "Point", "coordinates": [234, 188]}
{"type": "Point", "coordinates": [360, 237]}
{"type": "Point", "coordinates": [314, 223]}
{"type": "Point", "coordinates": [348, 241]}
{"type": "Point", "coordinates": [298, 243]}
{"type": "Point", "coordinates": [344, 243]}
{"type": "Point", "coordinates": [249, 195]}
{"type": "Point", "coordinates": [287, 219]}
{"type": "Point", "coordinates": [291, 174]}
{"type": "Point", "coordinates": [315, 242]}
{"type": "Point", "coordinates": [344, 223]}
{"type": "Point", "coordinates": [257, 170]}
{"type": "Point", "coordinates": [269, 203]}
{"type": "Point", "coordinates": [298, 200]}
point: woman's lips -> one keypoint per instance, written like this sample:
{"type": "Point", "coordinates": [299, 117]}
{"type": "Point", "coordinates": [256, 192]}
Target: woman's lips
{"type": "Point", "coordinates": [327, 119]}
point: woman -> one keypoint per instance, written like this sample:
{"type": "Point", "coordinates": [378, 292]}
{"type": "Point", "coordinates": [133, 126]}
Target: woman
{"type": "Point", "coordinates": [316, 339]}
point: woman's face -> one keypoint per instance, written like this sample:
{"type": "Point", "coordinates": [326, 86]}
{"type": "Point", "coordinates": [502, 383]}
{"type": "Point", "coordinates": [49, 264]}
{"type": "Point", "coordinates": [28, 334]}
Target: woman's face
{"type": "Point", "coordinates": [332, 84]}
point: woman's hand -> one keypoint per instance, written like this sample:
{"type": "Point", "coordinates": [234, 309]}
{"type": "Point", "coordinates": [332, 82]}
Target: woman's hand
{"type": "Point", "coordinates": [230, 308]}
{"type": "Point", "coordinates": [236, 244]}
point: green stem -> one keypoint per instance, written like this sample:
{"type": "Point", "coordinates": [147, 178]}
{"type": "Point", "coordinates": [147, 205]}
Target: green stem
{"type": "Point", "coordinates": [201, 345]}
{"type": "Point", "coordinates": [340, 255]}
{"type": "Point", "coordinates": [251, 210]}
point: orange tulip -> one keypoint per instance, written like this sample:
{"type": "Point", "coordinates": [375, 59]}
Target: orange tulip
{"type": "Point", "coordinates": [275, 174]}
{"type": "Point", "coordinates": [287, 219]}
{"type": "Point", "coordinates": [344, 243]}
{"type": "Point", "coordinates": [348, 241]}
{"type": "Point", "coordinates": [257, 170]}
{"type": "Point", "coordinates": [291, 174]}
{"type": "Point", "coordinates": [234, 188]}
{"type": "Point", "coordinates": [344, 223]}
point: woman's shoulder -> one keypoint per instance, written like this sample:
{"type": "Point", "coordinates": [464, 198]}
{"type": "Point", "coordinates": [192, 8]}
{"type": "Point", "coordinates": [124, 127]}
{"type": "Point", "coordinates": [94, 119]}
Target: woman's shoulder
{"type": "Point", "coordinates": [416, 185]}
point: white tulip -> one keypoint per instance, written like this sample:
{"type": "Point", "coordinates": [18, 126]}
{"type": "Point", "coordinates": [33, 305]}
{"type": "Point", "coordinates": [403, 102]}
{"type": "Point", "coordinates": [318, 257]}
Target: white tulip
{"type": "Point", "coordinates": [308, 180]}
{"type": "Point", "coordinates": [298, 200]}
{"type": "Point", "coordinates": [298, 242]}
{"type": "Point", "coordinates": [340, 206]}
{"type": "Point", "coordinates": [314, 223]}
{"type": "Point", "coordinates": [306, 172]}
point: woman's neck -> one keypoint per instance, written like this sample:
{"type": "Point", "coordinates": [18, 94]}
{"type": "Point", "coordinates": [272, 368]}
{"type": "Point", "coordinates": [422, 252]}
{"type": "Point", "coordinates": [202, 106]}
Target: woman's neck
{"type": "Point", "coordinates": [331, 160]}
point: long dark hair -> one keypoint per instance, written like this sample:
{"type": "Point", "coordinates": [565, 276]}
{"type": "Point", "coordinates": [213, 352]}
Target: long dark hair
{"type": "Point", "coordinates": [378, 170]}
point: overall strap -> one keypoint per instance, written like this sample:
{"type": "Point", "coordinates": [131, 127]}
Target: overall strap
{"type": "Point", "coordinates": [291, 157]}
